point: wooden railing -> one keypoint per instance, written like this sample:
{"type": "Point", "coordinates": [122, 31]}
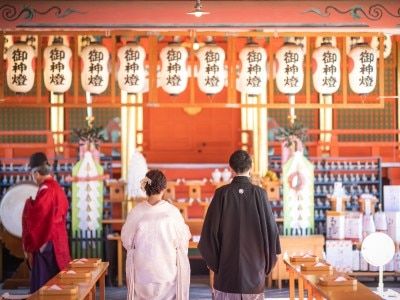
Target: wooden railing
{"type": "Point", "coordinates": [389, 149]}
{"type": "Point", "coordinates": [370, 143]}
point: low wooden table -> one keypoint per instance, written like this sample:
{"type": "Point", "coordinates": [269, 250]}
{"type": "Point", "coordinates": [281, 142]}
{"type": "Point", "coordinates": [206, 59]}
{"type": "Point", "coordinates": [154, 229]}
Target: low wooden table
{"type": "Point", "coordinates": [86, 289]}
{"type": "Point", "coordinates": [116, 237]}
{"type": "Point", "coordinates": [308, 280]}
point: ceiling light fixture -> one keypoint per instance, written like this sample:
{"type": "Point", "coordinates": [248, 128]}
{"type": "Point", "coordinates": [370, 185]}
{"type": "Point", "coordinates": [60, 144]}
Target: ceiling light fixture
{"type": "Point", "coordinates": [198, 12]}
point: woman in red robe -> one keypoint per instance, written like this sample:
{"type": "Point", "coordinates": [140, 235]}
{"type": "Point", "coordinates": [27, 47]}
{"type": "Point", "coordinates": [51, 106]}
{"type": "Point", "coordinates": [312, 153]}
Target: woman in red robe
{"type": "Point", "coordinates": [44, 234]}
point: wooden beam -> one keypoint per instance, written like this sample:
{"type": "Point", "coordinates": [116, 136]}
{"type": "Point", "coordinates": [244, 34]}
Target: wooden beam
{"type": "Point", "coordinates": [221, 33]}
{"type": "Point", "coordinates": [200, 105]}
{"type": "Point", "coordinates": [113, 58]}
{"type": "Point", "coordinates": [39, 70]}
{"type": "Point", "coordinates": [153, 61]}
{"type": "Point", "coordinates": [232, 61]}
{"type": "Point", "coordinates": [308, 69]}
{"type": "Point", "coordinates": [381, 68]}
{"type": "Point", "coordinates": [397, 54]}
{"type": "Point", "coordinates": [192, 78]}
{"type": "Point", "coordinates": [2, 67]}
{"type": "Point", "coordinates": [344, 72]}
{"type": "Point", "coordinates": [76, 69]}
{"type": "Point", "coordinates": [271, 60]}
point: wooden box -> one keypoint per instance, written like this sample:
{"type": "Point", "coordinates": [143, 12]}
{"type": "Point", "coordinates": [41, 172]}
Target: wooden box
{"type": "Point", "coordinates": [335, 222]}
{"type": "Point", "coordinates": [318, 266]}
{"type": "Point", "coordinates": [117, 190]}
{"type": "Point", "coordinates": [60, 291]}
{"type": "Point", "coordinates": [313, 244]}
{"type": "Point", "coordinates": [74, 274]}
{"type": "Point", "coordinates": [304, 258]}
{"type": "Point", "coordinates": [272, 189]}
{"type": "Point", "coordinates": [332, 280]}
{"type": "Point", "coordinates": [338, 204]}
{"type": "Point", "coordinates": [85, 263]}
{"type": "Point", "coordinates": [367, 204]}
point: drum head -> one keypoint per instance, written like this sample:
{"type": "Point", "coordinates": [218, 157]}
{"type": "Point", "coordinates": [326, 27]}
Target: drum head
{"type": "Point", "coordinates": [12, 205]}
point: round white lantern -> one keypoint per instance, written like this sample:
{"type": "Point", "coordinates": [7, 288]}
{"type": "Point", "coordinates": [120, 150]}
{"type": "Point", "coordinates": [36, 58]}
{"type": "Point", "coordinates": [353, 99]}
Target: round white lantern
{"type": "Point", "coordinates": [326, 76]}
{"type": "Point", "coordinates": [174, 75]}
{"type": "Point", "coordinates": [211, 74]}
{"type": "Point", "coordinates": [131, 74]}
{"type": "Point", "coordinates": [290, 72]}
{"type": "Point", "coordinates": [94, 76]}
{"type": "Point", "coordinates": [362, 77]}
{"type": "Point", "coordinates": [57, 70]}
{"type": "Point", "coordinates": [20, 74]}
{"type": "Point", "coordinates": [387, 45]}
{"type": "Point", "coordinates": [253, 74]}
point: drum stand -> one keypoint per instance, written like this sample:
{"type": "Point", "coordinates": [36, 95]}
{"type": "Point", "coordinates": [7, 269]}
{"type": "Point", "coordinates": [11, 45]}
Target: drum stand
{"type": "Point", "coordinates": [21, 276]}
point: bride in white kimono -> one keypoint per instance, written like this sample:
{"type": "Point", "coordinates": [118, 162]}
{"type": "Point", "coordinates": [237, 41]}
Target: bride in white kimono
{"type": "Point", "coordinates": [156, 239]}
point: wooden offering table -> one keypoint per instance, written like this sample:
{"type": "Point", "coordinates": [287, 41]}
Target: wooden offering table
{"type": "Point", "coordinates": [313, 244]}
{"type": "Point", "coordinates": [310, 281]}
{"type": "Point", "coordinates": [86, 287]}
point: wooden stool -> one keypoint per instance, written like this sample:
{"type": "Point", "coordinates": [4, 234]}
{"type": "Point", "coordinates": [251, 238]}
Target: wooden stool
{"type": "Point", "coordinates": [169, 193]}
{"type": "Point", "coordinates": [194, 188]}
{"type": "Point", "coordinates": [272, 189]}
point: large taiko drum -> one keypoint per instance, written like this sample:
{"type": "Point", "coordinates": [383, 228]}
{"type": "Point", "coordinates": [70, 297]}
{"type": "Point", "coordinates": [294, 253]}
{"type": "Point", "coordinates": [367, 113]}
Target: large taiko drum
{"type": "Point", "coordinates": [12, 205]}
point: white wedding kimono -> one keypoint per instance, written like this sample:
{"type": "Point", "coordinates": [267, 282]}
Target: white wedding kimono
{"type": "Point", "coordinates": [157, 265]}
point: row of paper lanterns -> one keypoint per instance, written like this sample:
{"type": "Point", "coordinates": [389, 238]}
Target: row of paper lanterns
{"type": "Point", "coordinates": [211, 73]}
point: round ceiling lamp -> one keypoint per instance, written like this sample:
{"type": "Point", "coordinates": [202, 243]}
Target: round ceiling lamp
{"type": "Point", "coordinates": [198, 12]}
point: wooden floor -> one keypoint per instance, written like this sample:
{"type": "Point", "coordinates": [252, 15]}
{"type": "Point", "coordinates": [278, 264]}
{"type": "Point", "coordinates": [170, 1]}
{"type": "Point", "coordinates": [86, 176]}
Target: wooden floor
{"type": "Point", "coordinates": [199, 290]}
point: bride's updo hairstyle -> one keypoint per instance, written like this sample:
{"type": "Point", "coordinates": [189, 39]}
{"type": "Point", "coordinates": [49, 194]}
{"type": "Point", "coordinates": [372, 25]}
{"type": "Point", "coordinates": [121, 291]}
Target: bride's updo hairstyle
{"type": "Point", "coordinates": [154, 182]}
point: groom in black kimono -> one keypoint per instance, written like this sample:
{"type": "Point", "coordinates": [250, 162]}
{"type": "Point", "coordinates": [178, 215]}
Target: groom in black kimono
{"type": "Point", "coordinates": [239, 240]}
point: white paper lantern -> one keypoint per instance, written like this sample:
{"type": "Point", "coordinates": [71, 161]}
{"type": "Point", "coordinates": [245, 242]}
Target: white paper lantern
{"type": "Point", "coordinates": [211, 74]}
{"type": "Point", "coordinates": [131, 74]}
{"type": "Point", "coordinates": [8, 42]}
{"type": "Point", "coordinates": [253, 74]}
{"type": "Point", "coordinates": [57, 70]}
{"type": "Point", "coordinates": [362, 77]}
{"type": "Point", "coordinates": [387, 45]}
{"type": "Point", "coordinates": [174, 75]}
{"type": "Point", "coordinates": [290, 72]}
{"type": "Point", "coordinates": [20, 74]}
{"type": "Point", "coordinates": [326, 77]}
{"type": "Point", "coordinates": [94, 76]}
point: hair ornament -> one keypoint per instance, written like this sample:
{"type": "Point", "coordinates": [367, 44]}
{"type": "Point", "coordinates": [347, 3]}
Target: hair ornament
{"type": "Point", "coordinates": [145, 181]}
